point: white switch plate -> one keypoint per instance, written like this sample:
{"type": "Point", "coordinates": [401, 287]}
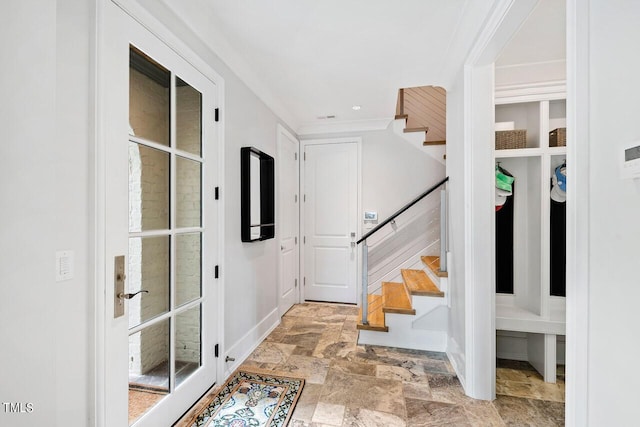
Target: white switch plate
{"type": "Point", "coordinates": [370, 216]}
{"type": "Point", "coordinates": [64, 265]}
{"type": "Point", "coordinates": [630, 161]}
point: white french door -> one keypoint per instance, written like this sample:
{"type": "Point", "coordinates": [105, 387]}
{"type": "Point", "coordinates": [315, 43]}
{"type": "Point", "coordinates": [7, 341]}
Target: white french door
{"type": "Point", "coordinates": [159, 166]}
{"type": "Point", "coordinates": [288, 220]}
{"type": "Point", "coordinates": [331, 221]}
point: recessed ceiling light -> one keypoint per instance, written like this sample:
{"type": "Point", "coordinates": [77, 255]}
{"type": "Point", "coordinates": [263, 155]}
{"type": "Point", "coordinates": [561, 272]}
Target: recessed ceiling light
{"type": "Point", "coordinates": [356, 107]}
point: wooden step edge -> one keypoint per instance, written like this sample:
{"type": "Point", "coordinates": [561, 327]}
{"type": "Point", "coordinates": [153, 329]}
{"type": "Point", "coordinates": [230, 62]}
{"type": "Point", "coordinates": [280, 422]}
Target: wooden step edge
{"type": "Point", "coordinates": [428, 143]}
{"type": "Point", "coordinates": [401, 116]}
{"type": "Point", "coordinates": [433, 262]}
{"type": "Point", "coordinates": [420, 284]}
{"type": "Point", "coordinates": [371, 327]}
{"type": "Point", "coordinates": [375, 317]}
{"type": "Point", "coordinates": [396, 299]}
{"type": "Point", "coordinates": [418, 129]}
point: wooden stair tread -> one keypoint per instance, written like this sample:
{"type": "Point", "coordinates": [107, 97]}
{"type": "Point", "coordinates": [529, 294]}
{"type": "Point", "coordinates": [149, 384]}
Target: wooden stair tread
{"type": "Point", "coordinates": [419, 283]}
{"type": "Point", "coordinates": [396, 299]}
{"type": "Point", "coordinates": [427, 143]}
{"type": "Point", "coordinates": [401, 116]}
{"type": "Point", "coordinates": [375, 316]}
{"type": "Point", "coordinates": [418, 129]}
{"type": "Point", "coordinates": [433, 262]}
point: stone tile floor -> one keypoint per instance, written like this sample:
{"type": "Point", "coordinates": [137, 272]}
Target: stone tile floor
{"type": "Point", "coordinates": [370, 386]}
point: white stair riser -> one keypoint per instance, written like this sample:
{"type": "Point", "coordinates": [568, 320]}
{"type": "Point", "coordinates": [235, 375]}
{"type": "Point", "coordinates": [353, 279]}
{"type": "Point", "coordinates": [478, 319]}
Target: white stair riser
{"type": "Point", "coordinates": [414, 339]}
{"type": "Point", "coordinates": [426, 330]}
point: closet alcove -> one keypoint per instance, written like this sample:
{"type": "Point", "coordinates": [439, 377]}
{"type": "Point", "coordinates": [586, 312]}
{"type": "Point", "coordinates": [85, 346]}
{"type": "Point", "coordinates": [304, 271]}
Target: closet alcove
{"type": "Point", "coordinates": [530, 253]}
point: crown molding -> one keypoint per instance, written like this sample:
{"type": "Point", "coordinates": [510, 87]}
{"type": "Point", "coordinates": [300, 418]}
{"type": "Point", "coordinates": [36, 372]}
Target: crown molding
{"type": "Point", "coordinates": [506, 94]}
{"type": "Point", "coordinates": [343, 126]}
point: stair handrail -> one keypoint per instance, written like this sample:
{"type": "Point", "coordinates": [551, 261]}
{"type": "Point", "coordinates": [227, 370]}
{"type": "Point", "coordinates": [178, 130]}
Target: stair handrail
{"type": "Point", "coordinates": [401, 210]}
{"type": "Point", "coordinates": [365, 250]}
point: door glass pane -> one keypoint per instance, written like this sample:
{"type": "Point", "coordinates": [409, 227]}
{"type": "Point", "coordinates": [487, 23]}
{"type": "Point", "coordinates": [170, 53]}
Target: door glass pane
{"type": "Point", "coordinates": [148, 368]}
{"type": "Point", "coordinates": [149, 270]}
{"type": "Point", "coordinates": [166, 169]}
{"type": "Point", "coordinates": [149, 175]}
{"type": "Point", "coordinates": [188, 267]}
{"type": "Point", "coordinates": [149, 98]}
{"type": "Point", "coordinates": [188, 343]}
{"type": "Point", "coordinates": [188, 118]}
{"type": "Point", "coordinates": [188, 192]}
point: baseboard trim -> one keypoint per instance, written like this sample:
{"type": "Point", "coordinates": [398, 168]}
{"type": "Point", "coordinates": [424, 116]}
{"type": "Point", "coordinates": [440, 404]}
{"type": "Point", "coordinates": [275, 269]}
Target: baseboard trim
{"type": "Point", "coordinates": [250, 341]}
{"type": "Point", "coordinates": [522, 357]}
{"type": "Point", "coordinates": [457, 360]}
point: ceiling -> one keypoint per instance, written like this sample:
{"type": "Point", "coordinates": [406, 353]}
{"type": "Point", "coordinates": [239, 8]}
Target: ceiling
{"type": "Point", "coordinates": [541, 38]}
{"type": "Point", "coordinates": [314, 58]}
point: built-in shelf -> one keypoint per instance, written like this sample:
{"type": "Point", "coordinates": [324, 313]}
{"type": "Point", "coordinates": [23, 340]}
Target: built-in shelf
{"type": "Point", "coordinates": [510, 317]}
{"type": "Point", "coordinates": [530, 152]}
{"type": "Point", "coordinates": [518, 152]}
{"type": "Point", "coordinates": [531, 309]}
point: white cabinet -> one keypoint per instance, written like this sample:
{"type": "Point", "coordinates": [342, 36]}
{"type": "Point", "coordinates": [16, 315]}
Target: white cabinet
{"type": "Point", "coordinates": [531, 309]}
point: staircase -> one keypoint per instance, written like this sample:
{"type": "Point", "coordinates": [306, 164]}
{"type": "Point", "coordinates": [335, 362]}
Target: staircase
{"type": "Point", "coordinates": [421, 118]}
{"type": "Point", "coordinates": [411, 314]}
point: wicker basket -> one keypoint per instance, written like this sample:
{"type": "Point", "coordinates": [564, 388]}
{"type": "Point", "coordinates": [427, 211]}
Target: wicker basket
{"type": "Point", "coordinates": [508, 139]}
{"type": "Point", "coordinates": [558, 137]}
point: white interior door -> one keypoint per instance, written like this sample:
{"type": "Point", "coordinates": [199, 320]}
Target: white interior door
{"type": "Point", "coordinates": [288, 225]}
{"type": "Point", "coordinates": [159, 167]}
{"type": "Point", "coordinates": [331, 221]}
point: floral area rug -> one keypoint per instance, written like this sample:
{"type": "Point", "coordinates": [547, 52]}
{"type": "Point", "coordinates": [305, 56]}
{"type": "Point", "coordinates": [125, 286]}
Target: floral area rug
{"type": "Point", "coordinates": [252, 400]}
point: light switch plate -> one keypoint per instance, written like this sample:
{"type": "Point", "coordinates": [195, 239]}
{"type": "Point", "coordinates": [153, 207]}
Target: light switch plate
{"type": "Point", "coordinates": [64, 265]}
{"type": "Point", "coordinates": [370, 216]}
{"type": "Point", "coordinates": [630, 161]}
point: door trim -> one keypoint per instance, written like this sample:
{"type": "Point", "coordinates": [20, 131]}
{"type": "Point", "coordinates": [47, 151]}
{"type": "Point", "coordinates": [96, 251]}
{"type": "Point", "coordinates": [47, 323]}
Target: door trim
{"type": "Point", "coordinates": [281, 130]}
{"type": "Point", "coordinates": [303, 144]}
{"type": "Point", "coordinates": [578, 202]}
{"type": "Point", "coordinates": [99, 259]}
{"type": "Point", "coordinates": [479, 241]}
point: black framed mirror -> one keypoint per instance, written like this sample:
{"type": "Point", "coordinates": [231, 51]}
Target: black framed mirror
{"type": "Point", "coordinates": [257, 188]}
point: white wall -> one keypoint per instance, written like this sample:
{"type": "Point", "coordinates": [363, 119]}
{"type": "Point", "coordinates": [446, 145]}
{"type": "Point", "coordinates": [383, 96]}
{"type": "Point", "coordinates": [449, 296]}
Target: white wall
{"type": "Point", "coordinates": [250, 268]}
{"type": "Point", "coordinates": [45, 178]}
{"type": "Point", "coordinates": [614, 209]}
{"type": "Point", "coordinates": [456, 267]}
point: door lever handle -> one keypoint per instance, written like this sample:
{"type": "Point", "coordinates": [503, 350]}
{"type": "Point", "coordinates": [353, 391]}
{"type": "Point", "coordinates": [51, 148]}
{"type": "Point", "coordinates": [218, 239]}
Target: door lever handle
{"type": "Point", "coordinates": [129, 296]}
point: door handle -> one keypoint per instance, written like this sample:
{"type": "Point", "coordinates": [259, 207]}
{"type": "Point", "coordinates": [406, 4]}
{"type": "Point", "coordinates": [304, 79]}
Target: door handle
{"type": "Point", "coordinates": [122, 295]}
{"type": "Point", "coordinates": [118, 286]}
